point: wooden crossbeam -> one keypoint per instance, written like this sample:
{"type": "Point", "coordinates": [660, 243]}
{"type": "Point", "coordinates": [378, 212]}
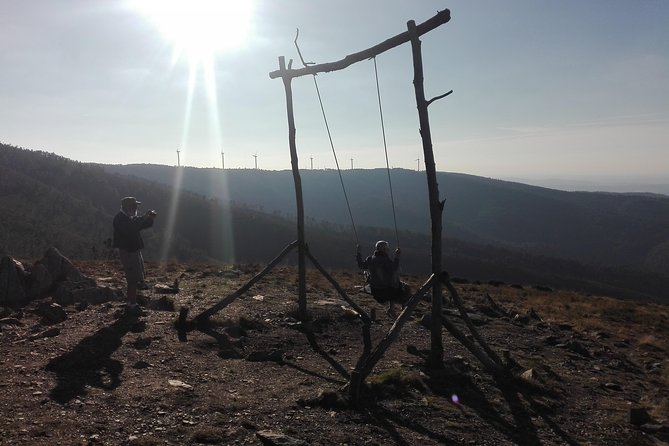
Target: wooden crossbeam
{"type": "Point", "coordinates": [439, 19]}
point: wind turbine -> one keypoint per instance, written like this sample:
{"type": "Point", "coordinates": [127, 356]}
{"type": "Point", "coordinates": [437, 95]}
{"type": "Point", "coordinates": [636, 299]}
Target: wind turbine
{"type": "Point", "coordinates": [256, 160]}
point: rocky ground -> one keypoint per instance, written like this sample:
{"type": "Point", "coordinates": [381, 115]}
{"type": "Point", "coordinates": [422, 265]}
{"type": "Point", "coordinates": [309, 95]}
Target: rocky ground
{"type": "Point", "coordinates": [594, 370]}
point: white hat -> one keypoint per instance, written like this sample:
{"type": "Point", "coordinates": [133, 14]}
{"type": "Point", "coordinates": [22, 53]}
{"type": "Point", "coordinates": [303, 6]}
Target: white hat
{"type": "Point", "coordinates": [381, 245]}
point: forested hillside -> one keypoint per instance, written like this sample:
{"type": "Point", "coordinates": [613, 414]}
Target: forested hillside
{"type": "Point", "coordinates": [48, 200]}
{"type": "Point", "coordinates": [629, 231]}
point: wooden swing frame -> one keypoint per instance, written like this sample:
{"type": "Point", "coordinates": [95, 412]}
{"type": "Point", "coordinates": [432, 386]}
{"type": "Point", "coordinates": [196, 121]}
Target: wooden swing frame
{"type": "Point", "coordinates": [369, 358]}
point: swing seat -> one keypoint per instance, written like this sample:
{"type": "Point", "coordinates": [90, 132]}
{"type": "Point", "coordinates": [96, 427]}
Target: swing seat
{"type": "Point", "coordinates": [385, 295]}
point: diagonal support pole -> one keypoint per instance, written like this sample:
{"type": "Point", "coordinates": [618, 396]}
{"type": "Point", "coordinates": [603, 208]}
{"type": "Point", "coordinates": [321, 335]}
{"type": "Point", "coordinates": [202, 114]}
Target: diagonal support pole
{"type": "Point", "coordinates": [364, 368]}
{"type": "Point", "coordinates": [231, 298]}
{"type": "Point", "coordinates": [468, 322]}
{"type": "Point", "coordinates": [363, 315]}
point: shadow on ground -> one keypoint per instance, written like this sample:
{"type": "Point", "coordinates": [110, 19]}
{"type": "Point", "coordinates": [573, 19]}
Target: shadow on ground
{"type": "Point", "coordinates": [90, 363]}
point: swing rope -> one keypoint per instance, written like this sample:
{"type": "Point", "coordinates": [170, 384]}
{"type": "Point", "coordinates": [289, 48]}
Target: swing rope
{"type": "Point", "coordinates": [334, 152]}
{"type": "Point", "coordinates": [385, 148]}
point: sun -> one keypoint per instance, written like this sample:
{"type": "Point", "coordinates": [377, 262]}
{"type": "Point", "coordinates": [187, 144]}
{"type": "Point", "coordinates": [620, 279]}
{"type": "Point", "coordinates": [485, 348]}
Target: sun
{"type": "Point", "coordinates": [198, 31]}
{"type": "Point", "coordinates": [200, 28]}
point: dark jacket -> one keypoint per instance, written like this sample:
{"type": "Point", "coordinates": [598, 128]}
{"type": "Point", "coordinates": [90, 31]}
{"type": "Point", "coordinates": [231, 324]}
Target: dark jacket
{"type": "Point", "coordinates": [383, 272]}
{"type": "Point", "coordinates": [126, 231]}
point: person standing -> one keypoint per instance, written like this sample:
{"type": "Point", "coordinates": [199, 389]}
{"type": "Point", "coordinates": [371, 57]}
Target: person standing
{"type": "Point", "coordinates": [127, 239]}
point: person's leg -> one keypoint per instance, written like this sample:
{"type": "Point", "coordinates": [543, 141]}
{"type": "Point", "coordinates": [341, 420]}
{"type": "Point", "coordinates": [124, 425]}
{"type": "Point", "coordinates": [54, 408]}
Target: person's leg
{"type": "Point", "coordinates": [141, 284]}
{"type": "Point", "coordinates": [133, 270]}
{"type": "Point", "coordinates": [391, 310]}
{"type": "Point", "coordinates": [382, 295]}
{"type": "Point", "coordinates": [132, 295]}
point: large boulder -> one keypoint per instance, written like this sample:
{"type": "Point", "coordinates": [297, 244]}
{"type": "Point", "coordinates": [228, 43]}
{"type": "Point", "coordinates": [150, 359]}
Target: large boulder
{"type": "Point", "coordinates": [12, 282]}
{"type": "Point", "coordinates": [51, 269]}
{"type": "Point", "coordinates": [68, 293]}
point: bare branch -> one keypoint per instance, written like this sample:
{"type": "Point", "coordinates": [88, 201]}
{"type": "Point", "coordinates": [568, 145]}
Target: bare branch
{"type": "Point", "coordinates": [297, 34]}
{"type": "Point", "coordinates": [438, 97]}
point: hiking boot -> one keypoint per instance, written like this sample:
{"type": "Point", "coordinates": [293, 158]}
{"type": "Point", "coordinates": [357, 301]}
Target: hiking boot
{"type": "Point", "coordinates": [134, 311]}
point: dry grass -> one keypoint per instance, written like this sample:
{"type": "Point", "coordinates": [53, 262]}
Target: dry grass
{"type": "Point", "coordinates": [619, 318]}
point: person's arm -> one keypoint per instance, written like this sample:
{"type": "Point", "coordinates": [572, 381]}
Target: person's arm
{"type": "Point", "coordinates": [396, 260]}
{"type": "Point", "coordinates": [362, 264]}
{"type": "Point", "coordinates": [145, 221]}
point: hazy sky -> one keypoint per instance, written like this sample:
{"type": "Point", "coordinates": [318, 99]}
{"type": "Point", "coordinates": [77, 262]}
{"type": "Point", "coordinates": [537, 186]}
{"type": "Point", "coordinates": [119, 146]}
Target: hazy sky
{"type": "Point", "coordinates": [541, 88]}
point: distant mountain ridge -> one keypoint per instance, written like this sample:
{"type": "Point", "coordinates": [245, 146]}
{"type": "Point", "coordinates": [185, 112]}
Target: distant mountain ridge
{"type": "Point", "coordinates": [604, 229]}
{"type": "Point", "coordinates": [48, 200]}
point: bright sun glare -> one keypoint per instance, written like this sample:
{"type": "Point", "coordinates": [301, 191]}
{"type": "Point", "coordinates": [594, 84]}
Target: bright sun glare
{"type": "Point", "coordinates": [200, 28]}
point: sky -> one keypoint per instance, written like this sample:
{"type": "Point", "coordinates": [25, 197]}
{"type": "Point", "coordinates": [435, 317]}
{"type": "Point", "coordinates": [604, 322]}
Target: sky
{"type": "Point", "coordinates": [542, 89]}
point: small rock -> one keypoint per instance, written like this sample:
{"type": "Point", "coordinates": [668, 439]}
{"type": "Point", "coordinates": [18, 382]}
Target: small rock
{"type": "Point", "coordinates": [179, 384]}
{"type": "Point", "coordinates": [639, 416]}
{"type": "Point", "coordinates": [51, 313]}
{"type": "Point", "coordinates": [575, 347]}
{"type": "Point", "coordinates": [521, 319]}
{"type": "Point", "coordinates": [10, 321]}
{"type": "Point", "coordinates": [165, 303]}
{"type": "Point", "coordinates": [50, 333]}
{"type": "Point", "coordinates": [477, 319]}
{"type": "Point", "coordinates": [349, 313]}
{"type": "Point", "coordinates": [141, 365]}
{"type": "Point", "coordinates": [165, 289]}
{"type": "Point", "coordinates": [266, 356]}
{"type": "Point", "coordinates": [229, 353]}
{"type": "Point", "coordinates": [530, 375]}
{"type": "Point", "coordinates": [231, 273]}
{"type": "Point", "coordinates": [659, 430]}
{"type": "Point", "coordinates": [613, 386]}
{"type": "Point", "coordinates": [269, 438]}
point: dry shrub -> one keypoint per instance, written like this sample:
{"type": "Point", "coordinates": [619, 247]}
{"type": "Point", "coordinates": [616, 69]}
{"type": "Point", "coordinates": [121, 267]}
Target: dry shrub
{"type": "Point", "coordinates": [398, 379]}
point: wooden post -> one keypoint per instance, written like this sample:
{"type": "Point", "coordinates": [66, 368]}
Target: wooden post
{"type": "Point", "coordinates": [301, 264]}
{"type": "Point", "coordinates": [435, 359]}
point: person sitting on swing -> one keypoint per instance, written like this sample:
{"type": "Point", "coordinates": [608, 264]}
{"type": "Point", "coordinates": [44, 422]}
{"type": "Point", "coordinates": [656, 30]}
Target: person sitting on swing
{"type": "Point", "coordinates": [384, 275]}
